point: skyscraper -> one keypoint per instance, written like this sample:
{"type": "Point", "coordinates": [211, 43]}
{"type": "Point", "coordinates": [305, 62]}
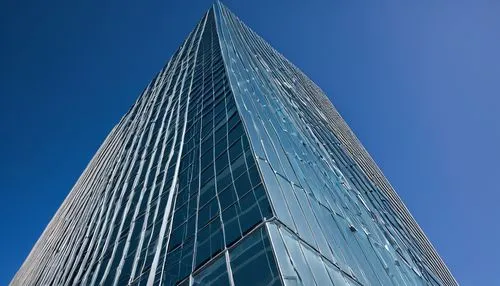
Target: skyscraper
{"type": "Point", "coordinates": [232, 168]}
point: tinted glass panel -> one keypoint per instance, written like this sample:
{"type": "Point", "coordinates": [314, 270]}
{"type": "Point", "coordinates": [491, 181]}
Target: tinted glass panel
{"type": "Point", "coordinates": [214, 274]}
{"type": "Point", "coordinates": [252, 261]}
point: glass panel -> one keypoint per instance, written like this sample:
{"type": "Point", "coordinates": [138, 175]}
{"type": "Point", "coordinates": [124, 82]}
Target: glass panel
{"type": "Point", "coordinates": [235, 150]}
{"type": "Point", "coordinates": [297, 258]}
{"type": "Point", "coordinates": [249, 212]}
{"type": "Point", "coordinates": [207, 192]}
{"type": "Point", "coordinates": [210, 241]}
{"type": "Point", "coordinates": [265, 207]}
{"type": "Point", "coordinates": [290, 275]}
{"type": "Point", "coordinates": [231, 222]}
{"type": "Point", "coordinates": [207, 212]}
{"type": "Point", "coordinates": [213, 274]}
{"type": "Point", "coordinates": [221, 162]}
{"type": "Point", "coordinates": [227, 197]}
{"type": "Point", "coordinates": [242, 184]}
{"type": "Point", "coordinates": [275, 194]}
{"type": "Point", "coordinates": [238, 166]}
{"type": "Point", "coordinates": [224, 179]}
{"type": "Point", "coordinates": [252, 261]}
{"type": "Point", "coordinates": [317, 267]}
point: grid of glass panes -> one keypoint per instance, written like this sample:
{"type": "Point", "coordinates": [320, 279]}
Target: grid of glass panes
{"type": "Point", "coordinates": [125, 255]}
{"type": "Point", "coordinates": [220, 194]}
{"type": "Point", "coordinates": [317, 191]}
{"type": "Point", "coordinates": [251, 262]}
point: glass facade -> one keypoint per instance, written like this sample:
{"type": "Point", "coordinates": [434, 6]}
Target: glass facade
{"type": "Point", "coordinates": [232, 168]}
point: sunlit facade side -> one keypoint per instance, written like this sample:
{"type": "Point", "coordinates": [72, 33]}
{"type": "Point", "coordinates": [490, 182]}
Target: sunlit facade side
{"type": "Point", "coordinates": [325, 189]}
{"type": "Point", "coordinates": [232, 168]}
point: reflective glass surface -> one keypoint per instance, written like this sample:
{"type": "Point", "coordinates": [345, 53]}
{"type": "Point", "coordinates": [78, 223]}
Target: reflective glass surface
{"type": "Point", "coordinates": [323, 186]}
{"type": "Point", "coordinates": [232, 168]}
{"type": "Point", "coordinates": [252, 261]}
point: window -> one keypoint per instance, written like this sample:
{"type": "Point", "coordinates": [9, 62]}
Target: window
{"type": "Point", "coordinates": [210, 241]}
{"type": "Point", "coordinates": [214, 274]}
{"type": "Point", "coordinates": [254, 255]}
{"type": "Point", "coordinates": [249, 212]}
{"type": "Point", "coordinates": [242, 184]}
{"type": "Point", "coordinates": [227, 197]}
{"type": "Point", "coordinates": [231, 221]}
{"type": "Point", "coordinates": [207, 212]}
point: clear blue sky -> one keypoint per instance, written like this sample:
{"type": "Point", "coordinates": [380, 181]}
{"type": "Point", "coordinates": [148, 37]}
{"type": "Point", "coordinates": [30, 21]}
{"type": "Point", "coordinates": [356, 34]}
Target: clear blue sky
{"type": "Point", "coordinates": [419, 83]}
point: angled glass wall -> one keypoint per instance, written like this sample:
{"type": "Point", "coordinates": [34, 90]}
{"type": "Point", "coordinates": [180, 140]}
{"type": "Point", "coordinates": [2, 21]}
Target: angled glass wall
{"type": "Point", "coordinates": [174, 194]}
{"type": "Point", "coordinates": [219, 195]}
{"type": "Point", "coordinates": [325, 189]}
